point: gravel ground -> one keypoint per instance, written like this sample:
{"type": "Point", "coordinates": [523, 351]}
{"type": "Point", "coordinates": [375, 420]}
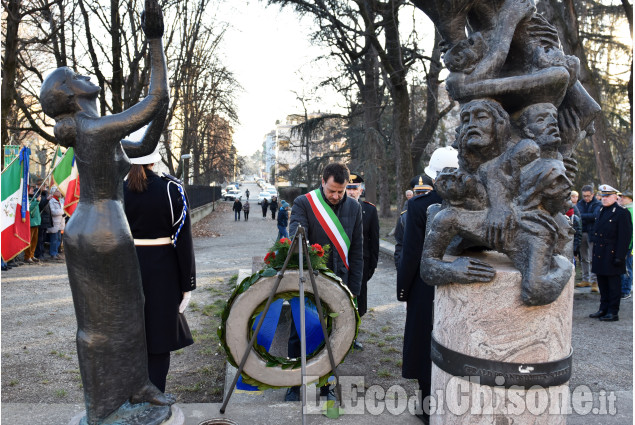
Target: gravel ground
{"type": "Point", "coordinates": [39, 360]}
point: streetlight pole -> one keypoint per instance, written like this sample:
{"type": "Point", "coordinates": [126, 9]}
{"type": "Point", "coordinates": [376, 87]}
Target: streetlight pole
{"type": "Point", "coordinates": [183, 158]}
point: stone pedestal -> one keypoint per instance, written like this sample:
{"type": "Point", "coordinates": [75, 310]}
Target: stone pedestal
{"type": "Point", "coordinates": [138, 417]}
{"type": "Point", "coordinates": [489, 321]}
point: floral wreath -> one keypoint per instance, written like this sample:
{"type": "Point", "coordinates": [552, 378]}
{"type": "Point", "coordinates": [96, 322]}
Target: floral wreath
{"type": "Point", "coordinates": [274, 261]}
{"type": "Point", "coordinates": [278, 253]}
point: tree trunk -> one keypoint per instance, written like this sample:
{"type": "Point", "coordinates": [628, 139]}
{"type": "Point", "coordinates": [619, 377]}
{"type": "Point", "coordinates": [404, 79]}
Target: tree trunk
{"type": "Point", "coordinates": [117, 70]}
{"type": "Point", "coordinates": [9, 67]}
{"type": "Point", "coordinates": [370, 100]}
{"type": "Point", "coordinates": [564, 16]}
{"type": "Point", "coordinates": [398, 87]}
{"type": "Point", "coordinates": [384, 189]}
{"type": "Point", "coordinates": [433, 115]}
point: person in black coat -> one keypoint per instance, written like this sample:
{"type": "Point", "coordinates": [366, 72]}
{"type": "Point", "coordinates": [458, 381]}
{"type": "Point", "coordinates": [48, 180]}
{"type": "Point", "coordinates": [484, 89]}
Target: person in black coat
{"type": "Point", "coordinates": [159, 218]}
{"type": "Point", "coordinates": [370, 223]}
{"type": "Point", "coordinates": [420, 184]}
{"type": "Point", "coordinates": [264, 206]}
{"type": "Point", "coordinates": [588, 207]}
{"type": "Point", "coordinates": [45, 223]}
{"type": "Point", "coordinates": [273, 206]}
{"type": "Point", "coordinates": [611, 238]}
{"type": "Point", "coordinates": [237, 208]}
{"type": "Point", "coordinates": [411, 288]}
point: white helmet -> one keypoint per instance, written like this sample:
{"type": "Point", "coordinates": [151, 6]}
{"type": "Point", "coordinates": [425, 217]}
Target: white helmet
{"type": "Point", "coordinates": [440, 159]}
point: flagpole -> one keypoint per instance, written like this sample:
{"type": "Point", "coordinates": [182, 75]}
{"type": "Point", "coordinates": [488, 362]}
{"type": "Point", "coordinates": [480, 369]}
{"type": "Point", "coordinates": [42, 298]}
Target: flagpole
{"type": "Point", "coordinates": [50, 172]}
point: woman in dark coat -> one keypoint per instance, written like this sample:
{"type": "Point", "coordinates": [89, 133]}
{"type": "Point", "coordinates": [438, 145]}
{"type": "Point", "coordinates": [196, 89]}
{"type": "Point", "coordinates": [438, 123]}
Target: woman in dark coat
{"type": "Point", "coordinates": [160, 225]}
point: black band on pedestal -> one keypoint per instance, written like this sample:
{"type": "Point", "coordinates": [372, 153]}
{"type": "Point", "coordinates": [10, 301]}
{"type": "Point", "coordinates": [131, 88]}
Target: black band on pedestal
{"type": "Point", "coordinates": [495, 373]}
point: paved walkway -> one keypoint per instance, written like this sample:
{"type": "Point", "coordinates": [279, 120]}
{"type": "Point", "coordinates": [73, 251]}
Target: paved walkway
{"type": "Point", "coordinates": [602, 351]}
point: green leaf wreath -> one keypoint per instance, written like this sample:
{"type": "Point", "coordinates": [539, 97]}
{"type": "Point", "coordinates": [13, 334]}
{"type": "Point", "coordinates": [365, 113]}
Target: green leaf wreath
{"type": "Point", "coordinates": [274, 261]}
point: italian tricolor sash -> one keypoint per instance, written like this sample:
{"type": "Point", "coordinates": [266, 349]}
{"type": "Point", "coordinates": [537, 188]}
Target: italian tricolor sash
{"type": "Point", "coordinates": [330, 223]}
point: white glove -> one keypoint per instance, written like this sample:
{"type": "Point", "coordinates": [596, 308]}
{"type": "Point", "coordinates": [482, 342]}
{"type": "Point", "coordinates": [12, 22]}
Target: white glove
{"type": "Point", "coordinates": [186, 300]}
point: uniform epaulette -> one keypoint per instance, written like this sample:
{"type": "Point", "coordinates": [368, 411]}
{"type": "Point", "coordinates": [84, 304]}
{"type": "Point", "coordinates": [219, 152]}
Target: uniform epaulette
{"type": "Point", "coordinates": [370, 203]}
{"type": "Point", "coordinates": [403, 212]}
{"type": "Point", "coordinates": [172, 178]}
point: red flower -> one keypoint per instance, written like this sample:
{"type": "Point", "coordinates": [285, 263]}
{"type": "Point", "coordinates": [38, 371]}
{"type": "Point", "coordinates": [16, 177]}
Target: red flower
{"type": "Point", "coordinates": [270, 256]}
{"type": "Point", "coordinates": [285, 240]}
{"type": "Point", "coordinates": [318, 249]}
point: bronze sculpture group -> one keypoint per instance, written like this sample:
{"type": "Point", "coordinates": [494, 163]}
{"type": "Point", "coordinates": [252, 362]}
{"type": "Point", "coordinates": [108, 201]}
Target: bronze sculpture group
{"type": "Point", "coordinates": [523, 111]}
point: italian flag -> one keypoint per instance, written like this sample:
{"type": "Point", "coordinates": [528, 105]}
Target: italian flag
{"type": "Point", "coordinates": [66, 178]}
{"type": "Point", "coordinates": [330, 224]}
{"type": "Point", "coordinates": [16, 220]}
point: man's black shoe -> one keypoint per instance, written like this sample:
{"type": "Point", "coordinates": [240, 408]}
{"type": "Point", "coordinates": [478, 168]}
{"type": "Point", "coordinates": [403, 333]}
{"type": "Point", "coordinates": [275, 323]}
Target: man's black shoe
{"type": "Point", "coordinates": [597, 314]}
{"type": "Point", "coordinates": [610, 318]}
{"type": "Point", "coordinates": [358, 346]}
{"type": "Point", "coordinates": [293, 394]}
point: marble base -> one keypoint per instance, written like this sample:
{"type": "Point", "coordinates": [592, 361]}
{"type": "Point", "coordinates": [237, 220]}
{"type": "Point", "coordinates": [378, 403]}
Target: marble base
{"type": "Point", "coordinates": [145, 417]}
{"type": "Point", "coordinates": [489, 321]}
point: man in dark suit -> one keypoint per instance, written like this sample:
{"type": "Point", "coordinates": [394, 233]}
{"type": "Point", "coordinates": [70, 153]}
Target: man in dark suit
{"type": "Point", "coordinates": [346, 262]}
{"type": "Point", "coordinates": [419, 296]}
{"type": "Point", "coordinates": [370, 222]}
{"type": "Point", "coordinates": [611, 237]}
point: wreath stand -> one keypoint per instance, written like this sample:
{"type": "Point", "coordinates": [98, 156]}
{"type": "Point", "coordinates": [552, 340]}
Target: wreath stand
{"type": "Point", "coordinates": [303, 252]}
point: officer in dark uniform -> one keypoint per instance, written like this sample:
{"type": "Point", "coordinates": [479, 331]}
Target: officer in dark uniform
{"type": "Point", "coordinates": [417, 363]}
{"type": "Point", "coordinates": [420, 184]}
{"type": "Point", "coordinates": [611, 238]}
{"type": "Point", "coordinates": [158, 213]}
{"type": "Point", "coordinates": [370, 222]}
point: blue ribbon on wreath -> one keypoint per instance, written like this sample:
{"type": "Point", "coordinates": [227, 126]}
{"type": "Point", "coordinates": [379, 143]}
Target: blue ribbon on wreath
{"type": "Point", "coordinates": [313, 329]}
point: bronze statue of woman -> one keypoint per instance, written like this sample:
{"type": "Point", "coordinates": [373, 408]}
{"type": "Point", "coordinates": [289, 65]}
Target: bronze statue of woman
{"type": "Point", "coordinates": [103, 269]}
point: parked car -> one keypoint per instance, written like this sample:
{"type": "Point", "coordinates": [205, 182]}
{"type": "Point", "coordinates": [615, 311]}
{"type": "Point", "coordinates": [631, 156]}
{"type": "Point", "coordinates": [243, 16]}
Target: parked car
{"type": "Point", "coordinates": [262, 196]}
{"type": "Point", "coordinates": [231, 195]}
{"type": "Point", "coordinates": [272, 191]}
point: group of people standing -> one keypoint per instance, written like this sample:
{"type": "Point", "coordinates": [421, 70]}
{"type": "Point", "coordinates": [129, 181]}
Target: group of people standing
{"type": "Point", "coordinates": [47, 222]}
{"type": "Point", "coordinates": [272, 206]}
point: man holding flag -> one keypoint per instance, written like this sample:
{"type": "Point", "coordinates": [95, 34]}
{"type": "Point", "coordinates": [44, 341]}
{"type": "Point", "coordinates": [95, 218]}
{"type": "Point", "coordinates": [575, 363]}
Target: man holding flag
{"type": "Point", "coordinates": [330, 217]}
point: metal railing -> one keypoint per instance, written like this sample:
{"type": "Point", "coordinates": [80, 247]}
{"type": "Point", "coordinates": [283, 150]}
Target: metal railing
{"type": "Point", "coordinates": [200, 195]}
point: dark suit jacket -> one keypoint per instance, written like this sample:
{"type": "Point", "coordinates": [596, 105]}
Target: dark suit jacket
{"type": "Point", "coordinates": [611, 238]}
{"type": "Point", "coordinates": [349, 213]}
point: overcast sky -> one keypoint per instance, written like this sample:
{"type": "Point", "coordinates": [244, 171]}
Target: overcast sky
{"type": "Point", "coordinates": [269, 52]}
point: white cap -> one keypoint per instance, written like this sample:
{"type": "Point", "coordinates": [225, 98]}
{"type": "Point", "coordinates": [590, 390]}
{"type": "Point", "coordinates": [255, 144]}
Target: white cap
{"type": "Point", "coordinates": [153, 158]}
{"type": "Point", "coordinates": [441, 158]}
{"type": "Point", "coordinates": [607, 189]}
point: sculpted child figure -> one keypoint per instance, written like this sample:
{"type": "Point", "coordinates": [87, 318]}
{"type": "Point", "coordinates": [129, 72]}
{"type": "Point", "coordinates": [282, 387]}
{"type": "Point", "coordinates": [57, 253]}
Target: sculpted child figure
{"type": "Point", "coordinates": [505, 196]}
{"type": "Point", "coordinates": [103, 269]}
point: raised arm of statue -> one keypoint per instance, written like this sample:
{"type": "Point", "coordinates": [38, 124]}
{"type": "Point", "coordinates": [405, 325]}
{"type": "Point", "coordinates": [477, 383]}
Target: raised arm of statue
{"type": "Point", "coordinates": [154, 105]}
